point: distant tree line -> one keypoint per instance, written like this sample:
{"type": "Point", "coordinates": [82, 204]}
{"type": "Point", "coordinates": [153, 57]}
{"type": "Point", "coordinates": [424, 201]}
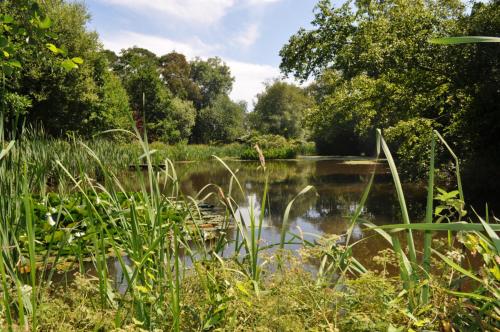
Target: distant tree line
{"type": "Point", "coordinates": [80, 87]}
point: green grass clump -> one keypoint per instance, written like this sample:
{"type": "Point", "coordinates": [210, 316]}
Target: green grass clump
{"type": "Point", "coordinates": [271, 153]}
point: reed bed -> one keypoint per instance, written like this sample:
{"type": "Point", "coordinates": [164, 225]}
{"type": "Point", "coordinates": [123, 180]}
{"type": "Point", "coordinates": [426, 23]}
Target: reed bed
{"type": "Point", "coordinates": [173, 279]}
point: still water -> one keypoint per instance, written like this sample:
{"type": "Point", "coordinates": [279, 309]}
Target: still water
{"type": "Point", "coordinates": [338, 186]}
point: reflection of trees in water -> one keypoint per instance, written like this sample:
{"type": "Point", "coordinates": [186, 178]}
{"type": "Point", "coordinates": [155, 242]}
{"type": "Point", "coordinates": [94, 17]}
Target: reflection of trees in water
{"type": "Point", "coordinates": [339, 188]}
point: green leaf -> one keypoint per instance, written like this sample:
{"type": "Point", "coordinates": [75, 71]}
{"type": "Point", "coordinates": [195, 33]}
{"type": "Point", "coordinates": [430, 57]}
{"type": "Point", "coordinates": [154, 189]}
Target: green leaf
{"type": "Point", "coordinates": [454, 226]}
{"type": "Point", "coordinates": [489, 230]}
{"type": "Point", "coordinates": [68, 64]}
{"type": "Point", "coordinates": [7, 19]}
{"type": "Point", "coordinates": [46, 23]}
{"type": "Point", "coordinates": [52, 35]}
{"type": "Point", "coordinates": [439, 209]}
{"type": "Point", "coordinates": [14, 63]}
{"type": "Point", "coordinates": [77, 60]}
{"type": "Point", "coordinates": [464, 40]}
{"type": "Point", "coordinates": [53, 48]}
{"type": "Point", "coordinates": [474, 296]}
{"type": "Point", "coordinates": [457, 267]}
{"type": "Point", "coordinates": [63, 50]}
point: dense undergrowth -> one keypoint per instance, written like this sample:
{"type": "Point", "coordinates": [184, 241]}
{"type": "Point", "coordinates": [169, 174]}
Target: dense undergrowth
{"type": "Point", "coordinates": [173, 279]}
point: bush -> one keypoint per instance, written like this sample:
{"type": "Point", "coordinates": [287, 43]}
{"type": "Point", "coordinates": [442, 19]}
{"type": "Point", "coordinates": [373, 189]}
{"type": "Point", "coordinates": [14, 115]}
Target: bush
{"type": "Point", "coordinates": [272, 153]}
{"type": "Point", "coordinates": [276, 147]}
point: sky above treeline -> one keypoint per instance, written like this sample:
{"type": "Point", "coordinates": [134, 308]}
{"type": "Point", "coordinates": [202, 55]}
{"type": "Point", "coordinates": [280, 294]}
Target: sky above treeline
{"type": "Point", "coordinates": [246, 34]}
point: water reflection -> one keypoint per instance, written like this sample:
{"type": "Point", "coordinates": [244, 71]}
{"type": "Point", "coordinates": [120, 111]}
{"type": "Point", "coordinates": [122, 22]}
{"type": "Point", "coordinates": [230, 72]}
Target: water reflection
{"type": "Point", "coordinates": [338, 189]}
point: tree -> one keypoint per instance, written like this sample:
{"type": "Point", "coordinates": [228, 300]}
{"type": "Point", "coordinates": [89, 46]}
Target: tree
{"type": "Point", "coordinates": [26, 33]}
{"type": "Point", "coordinates": [374, 67]}
{"type": "Point", "coordinates": [175, 71]}
{"type": "Point", "coordinates": [182, 116]}
{"type": "Point", "coordinates": [133, 60]}
{"type": "Point", "coordinates": [68, 101]}
{"type": "Point", "coordinates": [213, 78]}
{"type": "Point", "coordinates": [221, 122]}
{"type": "Point", "coordinates": [168, 118]}
{"type": "Point", "coordinates": [280, 110]}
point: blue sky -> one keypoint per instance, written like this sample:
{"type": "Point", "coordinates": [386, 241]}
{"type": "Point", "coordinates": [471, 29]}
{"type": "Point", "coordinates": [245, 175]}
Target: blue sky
{"type": "Point", "coordinates": [246, 34]}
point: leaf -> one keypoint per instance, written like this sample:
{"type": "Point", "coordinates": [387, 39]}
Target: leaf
{"type": "Point", "coordinates": [63, 50]}
{"type": "Point", "coordinates": [46, 23]}
{"type": "Point", "coordinates": [439, 209]}
{"type": "Point", "coordinates": [69, 65]}
{"type": "Point", "coordinates": [7, 19]}
{"type": "Point", "coordinates": [53, 48]}
{"type": "Point", "coordinates": [4, 152]}
{"type": "Point", "coordinates": [489, 230]}
{"type": "Point", "coordinates": [3, 41]}
{"type": "Point", "coordinates": [14, 63]}
{"type": "Point", "coordinates": [77, 60]}
{"type": "Point", "coordinates": [457, 267]}
{"type": "Point", "coordinates": [464, 40]}
{"type": "Point", "coordinates": [454, 226]}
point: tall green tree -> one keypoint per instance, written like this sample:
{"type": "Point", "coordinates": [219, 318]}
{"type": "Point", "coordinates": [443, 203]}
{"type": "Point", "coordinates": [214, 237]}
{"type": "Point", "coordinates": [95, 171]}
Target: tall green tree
{"type": "Point", "coordinates": [69, 101]}
{"type": "Point", "coordinates": [374, 67]}
{"type": "Point", "coordinates": [133, 60]}
{"type": "Point", "coordinates": [213, 78]}
{"type": "Point", "coordinates": [175, 71]}
{"type": "Point", "coordinates": [280, 110]}
{"type": "Point", "coordinates": [221, 122]}
{"type": "Point", "coordinates": [168, 118]}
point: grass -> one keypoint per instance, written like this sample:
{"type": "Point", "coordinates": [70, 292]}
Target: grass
{"type": "Point", "coordinates": [175, 280]}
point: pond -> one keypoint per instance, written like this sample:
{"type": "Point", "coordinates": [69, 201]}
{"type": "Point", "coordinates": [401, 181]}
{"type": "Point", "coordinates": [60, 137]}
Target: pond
{"type": "Point", "coordinates": [338, 186]}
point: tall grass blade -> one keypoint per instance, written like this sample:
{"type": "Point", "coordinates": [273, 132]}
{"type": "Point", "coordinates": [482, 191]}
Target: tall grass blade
{"type": "Point", "coordinates": [489, 230]}
{"type": "Point", "coordinates": [286, 215]}
{"type": "Point", "coordinates": [401, 197]}
{"type": "Point", "coordinates": [4, 152]}
{"type": "Point", "coordinates": [453, 226]}
{"type": "Point", "coordinates": [464, 40]}
{"type": "Point", "coordinates": [429, 212]}
{"type": "Point", "coordinates": [457, 267]}
{"type": "Point", "coordinates": [457, 164]}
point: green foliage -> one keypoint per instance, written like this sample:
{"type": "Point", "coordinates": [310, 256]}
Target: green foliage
{"type": "Point", "coordinates": [343, 121]}
{"type": "Point", "coordinates": [374, 67]}
{"type": "Point", "coordinates": [222, 121]}
{"type": "Point", "coordinates": [182, 116]}
{"type": "Point", "coordinates": [412, 140]}
{"type": "Point", "coordinates": [280, 110]}
{"type": "Point", "coordinates": [254, 289]}
{"type": "Point", "coordinates": [176, 73]}
{"type": "Point", "coordinates": [275, 147]}
{"type": "Point", "coordinates": [213, 78]}
{"type": "Point", "coordinates": [25, 25]}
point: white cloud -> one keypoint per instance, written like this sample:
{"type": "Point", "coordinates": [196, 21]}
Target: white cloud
{"type": "Point", "coordinates": [249, 79]}
{"type": "Point", "coordinates": [261, 2]}
{"type": "Point", "coordinates": [194, 11]}
{"type": "Point", "coordinates": [248, 36]}
{"type": "Point", "coordinates": [158, 45]}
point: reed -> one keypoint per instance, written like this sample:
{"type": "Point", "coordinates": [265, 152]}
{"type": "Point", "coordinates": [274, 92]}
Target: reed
{"type": "Point", "coordinates": [158, 251]}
